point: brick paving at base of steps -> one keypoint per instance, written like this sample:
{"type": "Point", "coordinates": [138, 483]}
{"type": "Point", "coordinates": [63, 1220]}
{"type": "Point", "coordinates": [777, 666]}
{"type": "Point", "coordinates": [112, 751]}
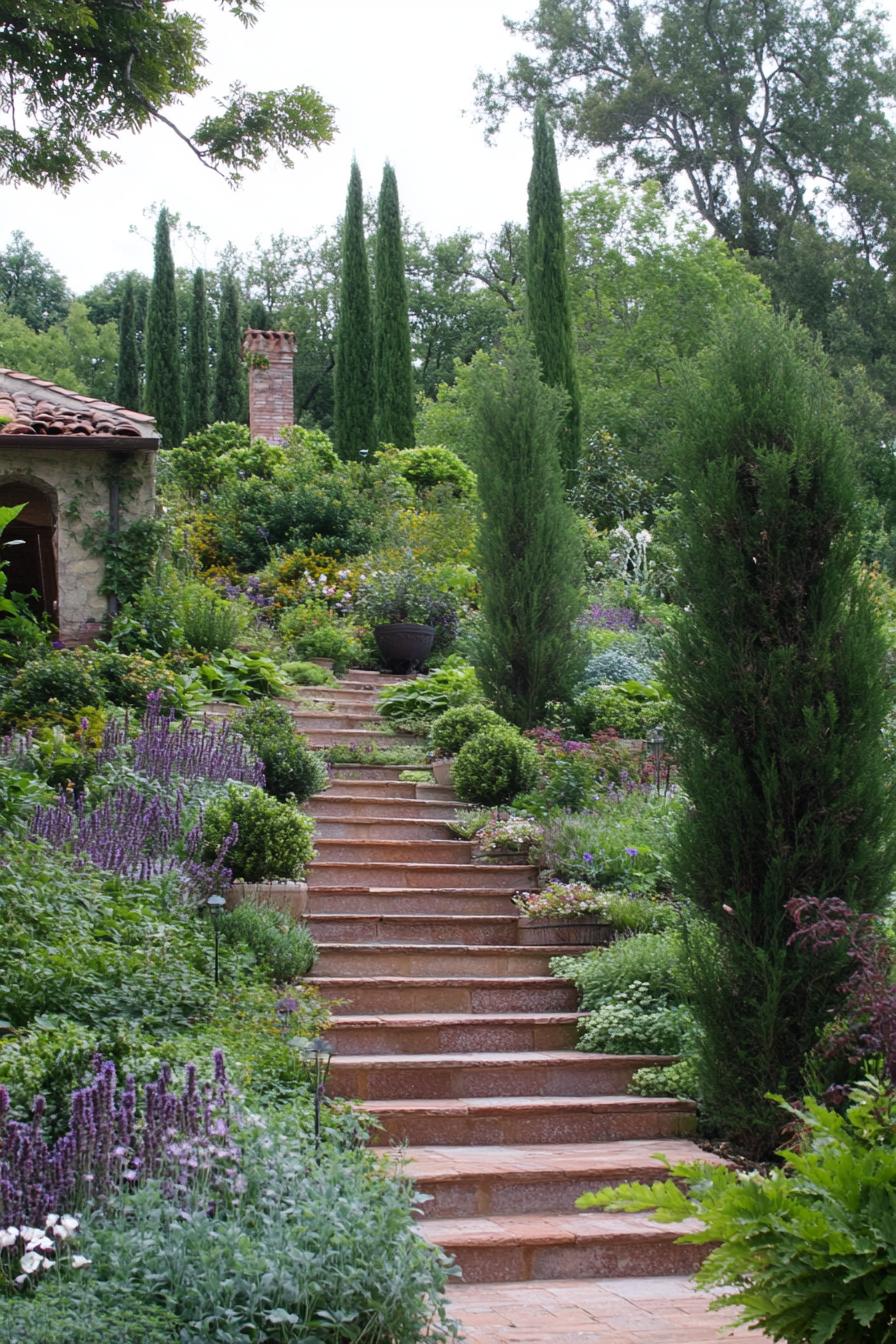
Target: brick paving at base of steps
{"type": "Point", "coordinates": [609, 1311]}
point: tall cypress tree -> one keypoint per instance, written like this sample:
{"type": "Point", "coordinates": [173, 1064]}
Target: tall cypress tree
{"type": "Point", "coordinates": [547, 285]}
{"type": "Point", "coordinates": [529, 551]}
{"type": "Point", "coordinates": [164, 394]}
{"type": "Point", "coordinates": [127, 388]}
{"type": "Point", "coordinates": [354, 412]}
{"type": "Point", "coordinates": [257, 316]}
{"type": "Point", "coordinates": [197, 357]}
{"type": "Point", "coordinates": [777, 671]}
{"type": "Point", "coordinates": [391, 330]}
{"type": "Point", "coordinates": [229, 399]}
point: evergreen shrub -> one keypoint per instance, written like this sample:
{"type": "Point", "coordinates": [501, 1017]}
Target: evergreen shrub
{"type": "Point", "coordinates": [274, 839]}
{"type": "Point", "coordinates": [494, 765]}
{"type": "Point", "coordinates": [613, 666]}
{"type": "Point", "coordinates": [453, 729]}
{"type": "Point", "coordinates": [283, 948]}
{"type": "Point", "coordinates": [291, 769]}
{"type": "Point", "coordinates": [55, 684]}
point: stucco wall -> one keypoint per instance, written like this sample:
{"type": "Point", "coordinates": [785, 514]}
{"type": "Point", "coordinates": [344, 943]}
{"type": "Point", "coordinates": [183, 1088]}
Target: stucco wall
{"type": "Point", "coordinates": [77, 481]}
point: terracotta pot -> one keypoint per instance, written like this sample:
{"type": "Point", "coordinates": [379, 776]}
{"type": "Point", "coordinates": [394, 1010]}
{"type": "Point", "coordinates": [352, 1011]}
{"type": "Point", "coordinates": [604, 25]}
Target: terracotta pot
{"type": "Point", "coordinates": [291, 897]}
{"type": "Point", "coordinates": [556, 932]}
{"type": "Point", "coordinates": [404, 645]}
{"type": "Point", "coordinates": [442, 767]}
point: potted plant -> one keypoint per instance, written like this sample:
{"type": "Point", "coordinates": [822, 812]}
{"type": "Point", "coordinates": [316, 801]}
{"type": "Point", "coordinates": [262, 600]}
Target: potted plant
{"type": "Point", "coordinates": [506, 838]}
{"type": "Point", "coordinates": [563, 914]}
{"type": "Point", "coordinates": [449, 733]}
{"type": "Point", "coordinates": [409, 616]}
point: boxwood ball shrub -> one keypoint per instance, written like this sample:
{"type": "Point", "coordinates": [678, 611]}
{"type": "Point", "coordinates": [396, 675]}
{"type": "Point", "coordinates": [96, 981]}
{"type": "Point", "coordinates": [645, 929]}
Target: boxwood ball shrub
{"type": "Point", "coordinates": [291, 769]}
{"type": "Point", "coordinates": [495, 765]}
{"type": "Point", "coordinates": [57, 682]}
{"type": "Point", "coordinates": [282, 947]}
{"type": "Point", "coordinates": [273, 838]}
{"type": "Point", "coordinates": [455, 727]}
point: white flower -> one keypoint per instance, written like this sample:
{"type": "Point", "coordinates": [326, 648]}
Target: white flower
{"type": "Point", "coordinates": [32, 1233]}
{"type": "Point", "coordinates": [644, 538]}
{"type": "Point", "coordinates": [52, 1219]}
{"type": "Point", "coordinates": [8, 1237]}
{"type": "Point", "coordinates": [31, 1262]}
{"type": "Point", "coordinates": [69, 1223]}
{"type": "Point", "coordinates": [80, 1262]}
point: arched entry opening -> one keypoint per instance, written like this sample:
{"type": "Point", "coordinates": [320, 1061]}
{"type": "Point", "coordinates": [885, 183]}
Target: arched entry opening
{"type": "Point", "coordinates": [31, 558]}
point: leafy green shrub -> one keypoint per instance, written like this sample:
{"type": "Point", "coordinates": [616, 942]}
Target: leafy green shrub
{"type": "Point", "coordinates": [127, 679]}
{"type": "Point", "coordinates": [631, 707]}
{"type": "Point", "coordinates": [667, 1080]}
{"type": "Point", "coordinates": [209, 623]}
{"type": "Point", "coordinates": [417, 703]}
{"type": "Point", "coordinates": [54, 685]}
{"type": "Point", "coordinates": [283, 949]}
{"type": "Point", "coordinates": [428, 467]}
{"type": "Point", "coordinates": [411, 594]}
{"type": "Point", "coordinates": [312, 631]}
{"type": "Point", "coordinates": [654, 959]}
{"type": "Point", "coordinates": [273, 841]}
{"type": "Point", "coordinates": [300, 673]}
{"type": "Point", "coordinates": [808, 1251]}
{"type": "Point", "coordinates": [70, 1311]}
{"type": "Point", "coordinates": [239, 677]}
{"type": "Point", "coordinates": [614, 666]}
{"type": "Point", "coordinates": [633, 1022]}
{"type": "Point", "coordinates": [291, 769]}
{"type": "Point", "coordinates": [494, 765]}
{"type": "Point", "coordinates": [455, 727]}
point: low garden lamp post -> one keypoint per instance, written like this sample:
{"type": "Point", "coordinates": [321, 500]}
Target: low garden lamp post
{"type": "Point", "coordinates": [216, 908]}
{"type": "Point", "coordinates": [656, 739]}
{"type": "Point", "coordinates": [317, 1055]}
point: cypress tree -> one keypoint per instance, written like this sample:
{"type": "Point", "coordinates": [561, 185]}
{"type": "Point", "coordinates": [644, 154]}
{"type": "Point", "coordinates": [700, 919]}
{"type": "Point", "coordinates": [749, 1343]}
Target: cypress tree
{"type": "Point", "coordinates": [197, 358]}
{"type": "Point", "coordinates": [258, 316]}
{"type": "Point", "coordinates": [164, 394]}
{"type": "Point", "coordinates": [127, 389]}
{"type": "Point", "coordinates": [777, 669]}
{"type": "Point", "coordinates": [391, 330]}
{"type": "Point", "coordinates": [529, 550]}
{"type": "Point", "coordinates": [547, 285]}
{"type": "Point", "coordinates": [229, 398]}
{"type": "Point", "coordinates": [354, 411]}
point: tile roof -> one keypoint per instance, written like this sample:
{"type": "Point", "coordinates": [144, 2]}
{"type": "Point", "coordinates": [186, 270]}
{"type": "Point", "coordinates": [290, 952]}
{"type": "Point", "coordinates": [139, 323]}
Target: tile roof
{"type": "Point", "coordinates": [33, 406]}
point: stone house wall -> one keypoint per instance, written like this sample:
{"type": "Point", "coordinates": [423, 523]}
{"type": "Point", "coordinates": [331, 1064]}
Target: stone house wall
{"type": "Point", "coordinates": [77, 483]}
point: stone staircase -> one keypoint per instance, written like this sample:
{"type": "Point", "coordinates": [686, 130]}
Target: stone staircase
{"type": "Point", "coordinates": [459, 1041]}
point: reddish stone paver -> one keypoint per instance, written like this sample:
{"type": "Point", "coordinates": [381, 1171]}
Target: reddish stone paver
{"type": "Point", "coordinates": [611, 1311]}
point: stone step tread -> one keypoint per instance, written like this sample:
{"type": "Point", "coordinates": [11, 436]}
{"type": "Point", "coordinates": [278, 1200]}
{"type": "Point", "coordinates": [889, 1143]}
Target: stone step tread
{"type": "Point", "coordinates": [388, 772]}
{"type": "Point", "coordinates": [330, 796]}
{"type": "Point", "coordinates": [376, 867]}
{"type": "Point", "coordinates": [362, 843]}
{"type": "Point", "coordinates": [433, 982]}
{"type": "Point", "coordinates": [454, 949]}
{"type": "Point", "coordinates": [375, 823]}
{"type": "Point", "coordinates": [388, 893]}
{"type": "Point", "coordinates": [485, 1106]}
{"type": "Point", "coordinates": [397, 1020]}
{"type": "Point", "coordinates": [551, 1229]}
{"type": "Point", "coordinates": [490, 1059]}
{"type": "Point", "coordinates": [446, 921]}
{"type": "Point", "coordinates": [629, 1159]}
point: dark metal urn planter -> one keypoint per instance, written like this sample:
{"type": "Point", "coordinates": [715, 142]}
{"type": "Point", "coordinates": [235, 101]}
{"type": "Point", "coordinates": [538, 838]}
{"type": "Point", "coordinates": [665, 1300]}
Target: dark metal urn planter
{"type": "Point", "coordinates": [576, 931]}
{"type": "Point", "coordinates": [404, 645]}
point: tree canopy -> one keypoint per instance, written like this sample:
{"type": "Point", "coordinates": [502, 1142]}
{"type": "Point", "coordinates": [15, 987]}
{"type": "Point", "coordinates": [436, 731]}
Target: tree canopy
{"type": "Point", "coordinates": [78, 75]}
{"type": "Point", "coordinates": [766, 113]}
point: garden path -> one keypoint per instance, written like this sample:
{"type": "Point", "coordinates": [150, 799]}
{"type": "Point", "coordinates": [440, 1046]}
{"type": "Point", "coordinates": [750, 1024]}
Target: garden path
{"type": "Point", "coordinates": [460, 1043]}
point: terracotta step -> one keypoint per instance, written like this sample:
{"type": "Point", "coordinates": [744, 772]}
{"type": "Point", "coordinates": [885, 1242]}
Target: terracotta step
{"type": "Point", "coordinates": [338, 804]}
{"type": "Point", "coordinates": [424, 960]}
{"type": "Point", "coordinates": [358, 737]}
{"type": "Point", "coordinates": [510, 1249]}
{"type": "Point", "coordinates": [409, 829]}
{"type": "Point", "coordinates": [412, 901]}
{"type": "Point", "coordinates": [343, 773]}
{"type": "Point", "coordinates": [512, 1120]}
{"type": "Point", "coordinates": [394, 994]}
{"type": "Point", "coordinates": [342, 873]}
{"type": "Point", "coordinates": [429, 1033]}
{"type": "Point", "coordinates": [358, 675]}
{"type": "Point", "coordinates": [476, 1182]}
{"type": "Point", "coordinates": [374, 850]}
{"type": "Point", "coordinates": [479, 930]}
{"type": "Point", "coordinates": [363, 789]}
{"type": "Point", "coordinates": [309, 721]}
{"type": "Point", "coordinates": [519, 1073]}
{"type": "Point", "coordinates": [438, 793]}
{"type": "Point", "coordinates": [346, 697]}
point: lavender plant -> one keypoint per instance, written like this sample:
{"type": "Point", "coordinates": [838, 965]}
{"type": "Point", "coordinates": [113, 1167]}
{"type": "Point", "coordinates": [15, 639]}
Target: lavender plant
{"type": "Point", "coordinates": [164, 750]}
{"type": "Point", "coordinates": [107, 1148]}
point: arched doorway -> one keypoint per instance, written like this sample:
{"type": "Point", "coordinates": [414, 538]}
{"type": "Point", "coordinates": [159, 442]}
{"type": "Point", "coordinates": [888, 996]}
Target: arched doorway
{"type": "Point", "coordinates": [31, 558]}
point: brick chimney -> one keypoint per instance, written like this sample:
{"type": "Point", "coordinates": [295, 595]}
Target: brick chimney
{"type": "Point", "coordinates": [269, 355]}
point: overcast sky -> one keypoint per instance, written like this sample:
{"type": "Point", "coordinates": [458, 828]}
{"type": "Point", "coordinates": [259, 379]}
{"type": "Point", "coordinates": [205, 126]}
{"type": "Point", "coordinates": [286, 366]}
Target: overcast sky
{"type": "Point", "coordinates": [400, 75]}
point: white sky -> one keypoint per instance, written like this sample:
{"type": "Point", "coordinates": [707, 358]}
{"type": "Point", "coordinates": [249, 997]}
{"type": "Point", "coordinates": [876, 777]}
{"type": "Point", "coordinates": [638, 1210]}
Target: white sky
{"type": "Point", "coordinates": [400, 75]}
